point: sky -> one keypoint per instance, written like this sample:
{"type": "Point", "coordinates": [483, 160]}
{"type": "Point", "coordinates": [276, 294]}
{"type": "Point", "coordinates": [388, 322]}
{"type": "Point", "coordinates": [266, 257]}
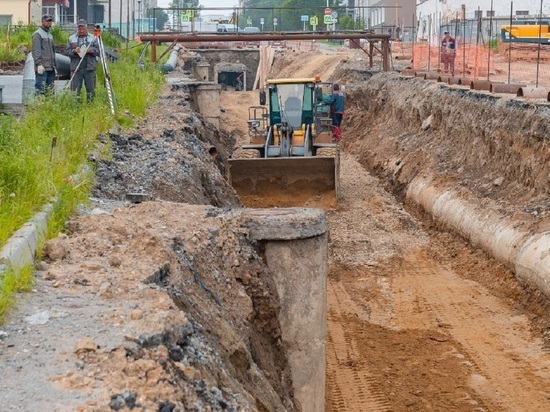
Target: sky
{"type": "Point", "coordinates": [205, 3]}
{"type": "Point", "coordinates": [208, 3]}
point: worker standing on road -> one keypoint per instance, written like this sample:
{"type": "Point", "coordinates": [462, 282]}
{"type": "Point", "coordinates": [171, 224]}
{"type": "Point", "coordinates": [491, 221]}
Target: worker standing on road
{"type": "Point", "coordinates": [83, 49]}
{"type": "Point", "coordinates": [448, 53]}
{"type": "Point", "coordinates": [43, 53]}
{"type": "Point", "coordinates": [336, 101]}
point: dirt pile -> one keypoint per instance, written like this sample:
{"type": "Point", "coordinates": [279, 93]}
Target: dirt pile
{"type": "Point", "coordinates": [167, 157]}
{"type": "Point", "coordinates": [158, 306]}
{"type": "Point", "coordinates": [169, 306]}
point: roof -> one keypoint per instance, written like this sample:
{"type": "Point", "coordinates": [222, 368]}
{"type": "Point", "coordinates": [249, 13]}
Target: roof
{"type": "Point", "coordinates": [291, 81]}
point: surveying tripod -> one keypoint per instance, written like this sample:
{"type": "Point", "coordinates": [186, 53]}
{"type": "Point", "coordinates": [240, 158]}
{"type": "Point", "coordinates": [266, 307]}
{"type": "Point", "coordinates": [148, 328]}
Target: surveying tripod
{"type": "Point", "coordinates": [106, 73]}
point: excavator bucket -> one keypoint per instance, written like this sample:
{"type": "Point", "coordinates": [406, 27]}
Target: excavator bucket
{"type": "Point", "coordinates": [286, 181]}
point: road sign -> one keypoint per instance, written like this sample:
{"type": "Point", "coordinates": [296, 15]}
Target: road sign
{"type": "Point", "coordinates": [327, 19]}
{"type": "Point", "coordinates": [328, 11]}
{"type": "Point", "coordinates": [262, 21]}
{"type": "Point", "coordinates": [304, 18]}
{"type": "Point", "coordinates": [334, 14]}
{"type": "Point", "coordinates": [274, 21]}
{"type": "Point", "coordinates": [313, 21]}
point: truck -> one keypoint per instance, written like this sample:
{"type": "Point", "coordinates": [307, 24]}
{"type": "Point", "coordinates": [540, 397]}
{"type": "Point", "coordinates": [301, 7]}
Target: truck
{"type": "Point", "coordinates": [526, 31]}
{"type": "Point", "coordinates": [291, 158]}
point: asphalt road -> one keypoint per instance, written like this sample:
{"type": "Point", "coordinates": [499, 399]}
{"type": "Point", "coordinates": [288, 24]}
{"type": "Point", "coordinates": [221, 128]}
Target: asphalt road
{"type": "Point", "coordinates": [13, 88]}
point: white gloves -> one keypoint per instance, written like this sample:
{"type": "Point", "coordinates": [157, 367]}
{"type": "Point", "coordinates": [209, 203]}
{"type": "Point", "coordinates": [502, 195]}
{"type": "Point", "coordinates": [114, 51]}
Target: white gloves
{"type": "Point", "coordinates": [40, 69]}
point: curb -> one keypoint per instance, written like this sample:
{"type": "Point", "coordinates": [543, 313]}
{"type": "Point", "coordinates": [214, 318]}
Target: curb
{"type": "Point", "coordinates": [20, 249]}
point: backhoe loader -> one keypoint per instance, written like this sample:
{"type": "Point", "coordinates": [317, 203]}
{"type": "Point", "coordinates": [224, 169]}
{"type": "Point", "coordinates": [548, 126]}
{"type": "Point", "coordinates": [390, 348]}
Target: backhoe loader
{"type": "Point", "coordinates": [291, 158]}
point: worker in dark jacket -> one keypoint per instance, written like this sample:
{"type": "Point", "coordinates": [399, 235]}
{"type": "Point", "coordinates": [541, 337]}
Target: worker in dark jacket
{"type": "Point", "coordinates": [83, 49]}
{"type": "Point", "coordinates": [43, 54]}
{"type": "Point", "coordinates": [336, 101]}
{"type": "Point", "coordinates": [448, 53]}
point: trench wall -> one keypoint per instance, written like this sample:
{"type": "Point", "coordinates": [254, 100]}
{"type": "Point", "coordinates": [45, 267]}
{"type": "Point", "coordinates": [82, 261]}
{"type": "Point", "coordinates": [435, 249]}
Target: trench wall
{"type": "Point", "coordinates": [474, 161]}
{"type": "Point", "coordinates": [249, 57]}
{"type": "Point", "coordinates": [474, 138]}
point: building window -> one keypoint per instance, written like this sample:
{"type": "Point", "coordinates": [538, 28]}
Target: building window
{"type": "Point", "coordinates": [478, 14]}
{"type": "Point", "coordinates": [5, 19]}
{"type": "Point", "coordinates": [522, 12]}
{"type": "Point", "coordinates": [49, 10]}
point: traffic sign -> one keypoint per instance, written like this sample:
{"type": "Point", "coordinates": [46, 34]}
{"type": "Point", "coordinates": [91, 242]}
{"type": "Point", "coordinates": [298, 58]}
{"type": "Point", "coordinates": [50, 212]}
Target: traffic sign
{"type": "Point", "coordinates": [327, 19]}
{"type": "Point", "coordinates": [328, 11]}
{"type": "Point", "coordinates": [334, 14]}
{"type": "Point", "coordinates": [304, 18]}
{"type": "Point", "coordinates": [313, 20]}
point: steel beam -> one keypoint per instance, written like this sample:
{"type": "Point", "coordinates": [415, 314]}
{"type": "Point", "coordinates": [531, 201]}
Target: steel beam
{"type": "Point", "coordinates": [186, 37]}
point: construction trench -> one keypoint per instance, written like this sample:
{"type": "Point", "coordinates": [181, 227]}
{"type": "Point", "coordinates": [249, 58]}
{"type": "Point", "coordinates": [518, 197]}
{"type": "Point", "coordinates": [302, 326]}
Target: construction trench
{"type": "Point", "coordinates": [426, 288]}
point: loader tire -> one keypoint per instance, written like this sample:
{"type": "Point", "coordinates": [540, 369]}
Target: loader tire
{"type": "Point", "coordinates": [328, 152]}
{"type": "Point", "coordinates": [246, 154]}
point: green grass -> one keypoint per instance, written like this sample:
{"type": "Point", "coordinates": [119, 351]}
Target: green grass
{"type": "Point", "coordinates": [16, 40]}
{"type": "Point", "coordinates": [12, 282]}
{"type": "Point", "coordinates": [35, 170]}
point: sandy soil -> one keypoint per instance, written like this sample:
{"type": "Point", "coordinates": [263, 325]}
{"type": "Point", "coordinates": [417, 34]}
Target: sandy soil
{"type": "Point", "coordinates": [418, 320]}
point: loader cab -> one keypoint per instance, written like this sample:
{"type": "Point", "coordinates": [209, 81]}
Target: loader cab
{"type": "Point", "coordinates": [291, 102]}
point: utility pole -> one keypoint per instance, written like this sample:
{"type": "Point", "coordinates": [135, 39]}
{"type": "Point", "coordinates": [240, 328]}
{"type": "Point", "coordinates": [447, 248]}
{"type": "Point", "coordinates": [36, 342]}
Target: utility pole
{"type": "Point", "coordinates": [139, 16]}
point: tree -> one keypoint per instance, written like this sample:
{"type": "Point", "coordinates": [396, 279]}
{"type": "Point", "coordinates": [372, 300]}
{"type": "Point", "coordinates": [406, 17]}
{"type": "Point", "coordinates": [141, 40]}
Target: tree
{"type": "Point", "coordinates": [160, 15]}
{"type": "Point", "coordinates": [287, 14]}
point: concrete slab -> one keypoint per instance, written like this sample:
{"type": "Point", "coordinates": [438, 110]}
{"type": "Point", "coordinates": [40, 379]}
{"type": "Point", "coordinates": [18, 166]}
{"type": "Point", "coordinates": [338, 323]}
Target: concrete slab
{"type": "Point", "coordinates": [21, 248]}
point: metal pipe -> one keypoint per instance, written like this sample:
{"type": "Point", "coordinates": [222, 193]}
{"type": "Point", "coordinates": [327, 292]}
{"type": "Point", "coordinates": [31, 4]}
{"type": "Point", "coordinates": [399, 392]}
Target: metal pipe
{"type": "Point", "coordinates": [172, 62]}
{"type": "Point", "coordinates": [431, 75]}
{"type": "Point", "coordinates": [195, 37]}
{"type": "Point", "coordinates": [180, 37]}
{"type": "Point", "coordinates": [454, 80]}
{"type": "Point", "coordinates": [505, 88]}
{"type": "Point", "coordinates": [480, 85]}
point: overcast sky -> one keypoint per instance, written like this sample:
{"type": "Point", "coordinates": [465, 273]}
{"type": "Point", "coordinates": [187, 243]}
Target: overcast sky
{"type": "Point", "coordinates": [205, 3]}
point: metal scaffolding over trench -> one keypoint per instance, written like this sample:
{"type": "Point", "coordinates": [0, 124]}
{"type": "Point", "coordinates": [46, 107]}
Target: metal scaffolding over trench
{"type": "Point", "coordinates": [378, 42]}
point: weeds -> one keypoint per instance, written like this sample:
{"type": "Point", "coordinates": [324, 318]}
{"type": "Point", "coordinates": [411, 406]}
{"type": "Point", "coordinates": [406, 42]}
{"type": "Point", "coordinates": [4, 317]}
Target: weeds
{"type": "Point", "coordinates": [12, 281]}
{"type": "Point", "coordinates": [16, 40]}
{"type": "Point", "coordinates": [44, 155]}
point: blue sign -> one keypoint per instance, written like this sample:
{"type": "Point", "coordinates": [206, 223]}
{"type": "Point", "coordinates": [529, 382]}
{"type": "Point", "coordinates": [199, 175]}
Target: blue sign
{"type": "Point", "coordinates": [304, 18]}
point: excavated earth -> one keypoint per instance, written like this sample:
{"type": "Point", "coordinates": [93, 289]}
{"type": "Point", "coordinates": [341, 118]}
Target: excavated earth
{"type": "Point", "coordinates": [168, 305]}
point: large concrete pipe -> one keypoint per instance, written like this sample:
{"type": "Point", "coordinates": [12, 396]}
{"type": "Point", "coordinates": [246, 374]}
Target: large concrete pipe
{"type": "Point", "coordinates": [172, 62]}
{"type": "Point", "coordinates": [205, 99]}
{"type": "Point", "coordinates": [533, 92]}
{"type": "Point", "coordinates": [63, 65]}
{"type": "Point", "coordinates": [521, 249]}
{"type": "Point", "coordinates": [296, 245]}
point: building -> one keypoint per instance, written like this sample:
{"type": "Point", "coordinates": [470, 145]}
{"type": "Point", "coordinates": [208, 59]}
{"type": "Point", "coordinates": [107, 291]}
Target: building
{"type": "Point", "coordinates": [120, 13]}
{"type": "Point", "coordinates": [20, 11]}
{"type": "Point", "coordinates": [395, 17]}
{"type": "Point", "coordinates": [436, 16]}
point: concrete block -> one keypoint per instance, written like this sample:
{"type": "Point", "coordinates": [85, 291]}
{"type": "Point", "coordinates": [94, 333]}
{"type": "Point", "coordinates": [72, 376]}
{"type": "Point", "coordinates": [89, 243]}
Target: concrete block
{"type": "Point", "coordinates": [296, 252]}
{"type": "Point", "coordinates": [21, 248]}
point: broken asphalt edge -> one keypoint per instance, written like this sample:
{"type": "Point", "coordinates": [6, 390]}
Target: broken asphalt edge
{"type": "Point", "coordinates": [20, 249]}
